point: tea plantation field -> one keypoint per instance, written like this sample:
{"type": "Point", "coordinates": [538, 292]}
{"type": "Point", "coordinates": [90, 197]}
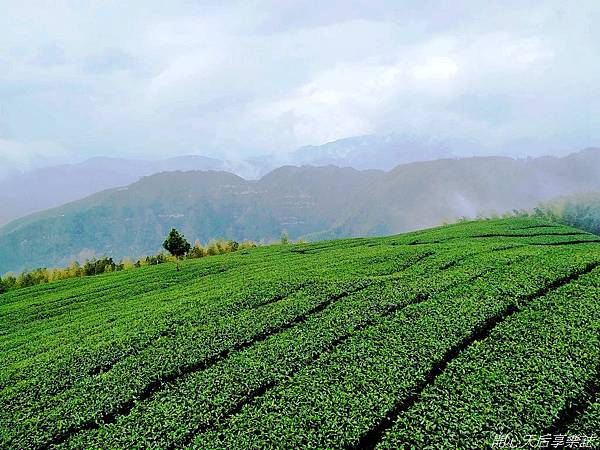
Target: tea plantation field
{"type": "Point", "coordinates": [442, 338]}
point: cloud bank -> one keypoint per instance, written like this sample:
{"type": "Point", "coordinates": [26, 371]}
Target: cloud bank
{"type": "Point", "coordinates": [235, 79]}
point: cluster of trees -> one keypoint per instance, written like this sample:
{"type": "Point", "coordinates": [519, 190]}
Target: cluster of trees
{"type": "Point", "coordinates": [39, 276]}
{"type": "Point", "coordinates": [540, 212]}
{"type": "Point", "coordinates": [580, 211]}
{"type": "Point", "coordinates": [179, 248]}
{"type": "Point", "coordinates": [175, 244]}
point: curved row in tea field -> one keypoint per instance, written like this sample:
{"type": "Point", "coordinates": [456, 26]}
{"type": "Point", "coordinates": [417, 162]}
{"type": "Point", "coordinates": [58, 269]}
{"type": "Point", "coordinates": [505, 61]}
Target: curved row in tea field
{"type": "Point", "coordinates": [418, 340]}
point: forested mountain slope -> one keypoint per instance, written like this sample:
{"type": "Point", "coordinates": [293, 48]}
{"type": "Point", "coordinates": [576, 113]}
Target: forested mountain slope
{"type": "Point", "coordinates": [53, 186]}
{"type": "Point", "coordinates": [311, 202]}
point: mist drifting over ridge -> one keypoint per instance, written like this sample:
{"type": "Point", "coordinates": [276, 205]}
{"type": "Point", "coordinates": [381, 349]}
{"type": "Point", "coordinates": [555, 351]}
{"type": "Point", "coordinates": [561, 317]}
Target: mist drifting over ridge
{"type": "Point", "coordinates": [307, 202]}
{"type": "Point", "coordinates": [231, 81]}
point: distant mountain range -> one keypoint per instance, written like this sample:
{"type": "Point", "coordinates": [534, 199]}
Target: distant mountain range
{"type": "Point", "coordinates": [53, 186]}
{"type": "Point", "coordinates": [311, 202]}
{"type": "Point", "coordinates": [374, 152]}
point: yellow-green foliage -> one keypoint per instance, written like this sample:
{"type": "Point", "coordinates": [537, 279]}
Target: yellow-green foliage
{"type": "Point", "coordinates": [96, 267]}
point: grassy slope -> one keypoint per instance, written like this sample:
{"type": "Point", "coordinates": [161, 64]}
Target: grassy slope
{"type": "Point", "coordinates": [430, 338]}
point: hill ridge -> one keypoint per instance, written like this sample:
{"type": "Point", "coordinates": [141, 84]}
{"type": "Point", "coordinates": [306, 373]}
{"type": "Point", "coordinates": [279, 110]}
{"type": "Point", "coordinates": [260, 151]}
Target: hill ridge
{"type": "Point", "coordinates": [307, 202]}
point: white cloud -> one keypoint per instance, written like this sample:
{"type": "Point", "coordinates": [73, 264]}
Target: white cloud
{"type": "Point", "coordinates": [19, 156]}
{"type": "Point", "coordinates": [420, 89]}
{"type": "Point", "coordinates": [241, 78]}
{"type": "Point", "coordinates": [436, 70]}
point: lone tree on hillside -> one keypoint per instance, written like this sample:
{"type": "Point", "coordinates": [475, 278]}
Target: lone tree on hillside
{"type": "Point", "coordinates": [176, 245]}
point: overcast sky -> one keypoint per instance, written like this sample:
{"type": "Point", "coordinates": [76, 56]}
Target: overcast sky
{"type": "Point", "coordinates": [233, 79]}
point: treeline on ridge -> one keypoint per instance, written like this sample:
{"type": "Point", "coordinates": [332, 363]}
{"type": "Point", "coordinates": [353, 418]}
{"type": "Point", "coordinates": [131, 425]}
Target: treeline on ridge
{"type": "Point", "coordinates": [104, 264]}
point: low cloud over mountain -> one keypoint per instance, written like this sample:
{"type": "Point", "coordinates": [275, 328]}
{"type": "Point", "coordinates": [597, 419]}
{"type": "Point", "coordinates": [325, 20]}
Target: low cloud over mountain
{"type": "Point", "coordinates": [310, 202]}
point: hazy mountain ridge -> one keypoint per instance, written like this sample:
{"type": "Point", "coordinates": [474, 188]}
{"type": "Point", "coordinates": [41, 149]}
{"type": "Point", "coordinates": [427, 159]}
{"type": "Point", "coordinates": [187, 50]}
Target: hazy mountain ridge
{"type": "Point", "coordinates": [49, 187]}
{"type": "Point", "coordinates": [312, 202]}
{"type": "Point", "coordinates": [375, 152]}
{"type": "Point", "coordinates": [423, 194]}
{"type": "Point", "coordinates": [53, 186]}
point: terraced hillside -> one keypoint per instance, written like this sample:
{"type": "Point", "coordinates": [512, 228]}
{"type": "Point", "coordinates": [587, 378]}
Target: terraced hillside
{"type": "Point", "coordinates": [442, 338]}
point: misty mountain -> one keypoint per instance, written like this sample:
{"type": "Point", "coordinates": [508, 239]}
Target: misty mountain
{"type": "Point", "coordinates": [53, 186]}
{"type": "Point", "coordinates": [419, 195]}
{"type": "Point", "coordinates": [375, 152]}
{"type": "Point", "coordinates": [311, 202]}
{"type": "Point", "coordinates": [132, 220]}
